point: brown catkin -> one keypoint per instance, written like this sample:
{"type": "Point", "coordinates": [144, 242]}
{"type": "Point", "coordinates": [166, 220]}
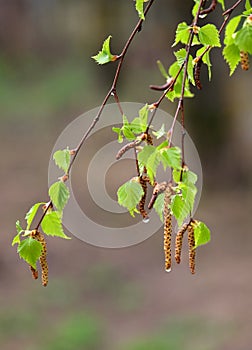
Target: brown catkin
{"type": "Point", "coordinates": [197, 70]}
{"type": "Point", "coordinates": [143, 183]}
{"type": "Point", "coordinates": [191, 245]}
{"type": "Point", "coordinates": [167, 228]}
{"type": "Point", "coordinates": [178, 244]}
{"type": "Point", "coordinates": [34, 272]}
{"type": "Point", "coordinates": [43, 262]}
{"type": "Point", "coordinates": [209, 9]}
{"type": "Point", "coordinates": [244, 60]}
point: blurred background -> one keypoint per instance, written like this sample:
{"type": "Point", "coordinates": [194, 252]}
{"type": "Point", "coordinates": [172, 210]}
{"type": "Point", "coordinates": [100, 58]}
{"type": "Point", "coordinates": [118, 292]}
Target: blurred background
{"type": "Point", "coordinates": [119, 299]}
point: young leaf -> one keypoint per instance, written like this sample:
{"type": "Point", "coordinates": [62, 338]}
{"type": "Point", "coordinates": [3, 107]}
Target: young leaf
{"type": "Point", "coordinates": [30, 215]}
{"type": "Point", "coordinates": [62, 159]}
{"type": "Point", "coordinates": [171, 157]}
{"type": "Point", "coordinates": [162, 70]}
{"type": "Point", "coordinates": [230, 29]}
{"type": "Point", "coordinates": [182, 33]}
{"type": "Point", "coordinates": [188, 192]}
{"type": "Point", "coordinates": [206, 60]}
{"type": "Point", "coordinates": [243, 39]}
{"type": "Point", "coordinates": [180, 55]}
{"type": "Point", "coordinates": [222, 2]}
{"type": "Point", "coordinates": [231, 54]}
{"type": "Point", "coordinates": [16, 239]}
{"type": "Point", "coordinates": [201, 233]}
{"type": "Point", "coordinates": [159, 206]}
{"type": "Point", "coordinates": [18, 227]}
{"type": "Point", "coordinates": [119, 133]}
{"type": "Point", "coordinates": [190, 72]}
{"type": "Point", "coordinates": [129, 195]}
{"type": "Point", "coordinates": [160, 133]}
{"type": "Point", "coordinates": [248, 5]}
{"type": "Point", "coordinates": [59, 194]}
{"type": "Point", "coordinates": [179, 209]}
{"type": "Point", "coordinates": [208, 35]}
{"type": "Point", "coordinates": [52, 226]}
{"type": "Point", "coordinates": [150, 158]}
{"type": "Point", "coordinates": [143, 114]}
{"type": "Point", "coordinates": [140, 8]}
{"type": "Point", "coordinates": [30, 250]}
{"type": "Point", "coordinates": [188, 177]}
{"type": "Point", "coordinates": [105, 56]}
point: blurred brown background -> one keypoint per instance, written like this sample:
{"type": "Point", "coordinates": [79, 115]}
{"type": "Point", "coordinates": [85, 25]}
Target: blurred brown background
{"type": "Point", "coordinates": [119, 299]}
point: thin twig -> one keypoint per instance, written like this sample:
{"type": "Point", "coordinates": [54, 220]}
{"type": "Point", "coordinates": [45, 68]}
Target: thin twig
{"type": "Point", "coordinates": [112, 91]}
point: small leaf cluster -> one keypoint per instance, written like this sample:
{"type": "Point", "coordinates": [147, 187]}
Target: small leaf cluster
{"type": "Point", "coordinates": [28, 247]}
{"type": "Point", "coordinates": [131, 130]}
{"type": "Point", "coordinates": [238, 38]}
{"type": "Point", "coordinates": [105, 55]}
{"type": "Point", "coordinates": [204, 36]}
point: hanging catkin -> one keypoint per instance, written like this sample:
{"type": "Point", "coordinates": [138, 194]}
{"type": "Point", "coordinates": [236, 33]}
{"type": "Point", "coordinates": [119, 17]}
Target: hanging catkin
{"type": "Point", "coordinates": [191, 245]}
{"type": "Point", "coordinates": [143, 183]}
{"type": "Point", "coordinates": [178, 245]}
{"type": "Point", "coordinates": [197, 70]}
{"type": "Point", "coordinates": [43, 262]}
{"type": "Point", "coordinates": [167, 228]}
{"type": "Point", "coordinates": [244, 60]}
{"type": "Point", "coordinates": [34, 272]}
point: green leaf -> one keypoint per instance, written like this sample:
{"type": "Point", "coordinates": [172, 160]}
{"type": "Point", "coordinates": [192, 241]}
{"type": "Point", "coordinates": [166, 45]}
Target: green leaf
{"type": "Point", "coordinates": [188, 192]}
{"type": "Point", "coordinates": [159, 206]}
{"type": "Point", "coordinates": [18, 227]}
{"type": "Point", "coordinates": [206, 60]}
{"type": "Point", "coordinates": [180, 55]}
{"type": "Point", "coordinates": [179, 208]}
{"type": "Point", "coordinates": [182, 33]}
{"type": "Point", "coordinates": [119, 133]}
{"type": "Point", "coordinates": [195, 8]}
{"type": "Point", "coordinates": [30, 250]}
{"type": "Point", "coordinates": [162, 70]}
{"type": "Point", "coordinates": [62, 159]}
{"type": "Point", "coordinates": [231, 54]}
{"type": "Point", "coordinates": [202, 233]}
{"type": "Point", "coordinates": [160, 133]}
{"type": "Point", "coordinates": [243, 39]}
{"type": "Point", "coordinates": [16, 239]}
{"type": "Point", "coordinates": [188, 177]}
{"type": "Point", "coordinates": [150, 158]}
{"type": "Point", "coordinates": [52, 226]}
{"type": "Point", "coordinates": [248, 5]}
{"type": "Point", "coordinates": [143, 114]}
{"type": "Point", "coordinates": [59, 194]}
{"type": "Point", "coordinates": [230, 29]}
{"type": "Point", "coordinates": [105, 56]}
{"type": "Point", "coordinates": [222, 2]}
{"type": "Point", "coordinates": [171, 157]}
{"type": "Point", "coordinates": [140, 8]}
{"type": "Point", "coordinates": [190, 72]}
{"type": "Point", "coordinates": [139, 124]}
{"type": "Point", "coordinates": [208, 35]}
{"type": "Point", "coordinates": [129, 195]}
{"type": "Point", "coordinates": [30, 215]}
{"type": "Point", "coordinates": [128, 133]}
